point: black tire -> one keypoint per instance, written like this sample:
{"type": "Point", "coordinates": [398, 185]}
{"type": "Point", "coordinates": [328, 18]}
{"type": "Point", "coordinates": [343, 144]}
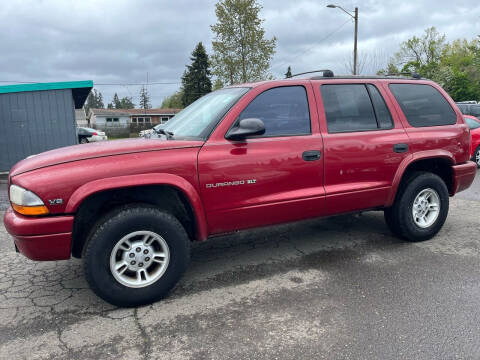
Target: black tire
{"type": "Point", "coordinates": [83, 140]}
{"type": "Point", "coordinates": [476, 156]}
{"type": "Point", "coordinates": [391, 222]}
{"type": "Point", "coordinates": [114, 226]}
{"type": "Point", "coordinates": [400, 218]}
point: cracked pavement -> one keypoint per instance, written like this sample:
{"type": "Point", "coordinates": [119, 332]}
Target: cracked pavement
{"type": "Point", "coordinates": [340, 288]}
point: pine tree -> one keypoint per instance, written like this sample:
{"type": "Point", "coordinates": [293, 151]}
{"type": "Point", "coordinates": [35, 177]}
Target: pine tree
{"type": "Point", "coordinates": [94, 101]}
{"type": "Point", "coordinates": [144, 98]}
{"type": "Point", "coordinates": [288, 74]}
{"type": "Point", "coordinates": [116, 102]}
{"type": "Point", "coordinates": [100, 101]}
{"type": "Point", "coordinates": [218, 84]}
{"type": "Point", "coordinates": [109, 106]}
{"type": "Point", "coordinates": [240, 51]}
{"type": "Point", "coordinates": [126, 103]}
{"type": "Point", "coordinates": [196, 79]}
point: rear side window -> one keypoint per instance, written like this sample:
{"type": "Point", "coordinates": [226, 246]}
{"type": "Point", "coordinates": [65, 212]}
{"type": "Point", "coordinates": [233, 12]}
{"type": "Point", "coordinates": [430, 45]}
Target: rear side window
{"type": "Point", "coordinates": [283, 110]}
{"type": "Point", "coordinates": [381, 111]}
{"type": "Point", "coordinates": [423, 105]}
{"type": "Point", "coordinates": [354, 107]}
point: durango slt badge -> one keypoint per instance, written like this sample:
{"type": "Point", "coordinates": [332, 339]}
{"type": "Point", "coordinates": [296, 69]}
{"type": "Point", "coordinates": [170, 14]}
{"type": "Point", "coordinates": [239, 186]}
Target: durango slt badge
{"type": "Point", "coordinates": [231, 183]}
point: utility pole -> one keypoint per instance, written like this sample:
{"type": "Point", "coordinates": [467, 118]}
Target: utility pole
{"type": "Point", "coordinates": [355, 18]}
{"type": "Point", "coordinates": [355, 42]}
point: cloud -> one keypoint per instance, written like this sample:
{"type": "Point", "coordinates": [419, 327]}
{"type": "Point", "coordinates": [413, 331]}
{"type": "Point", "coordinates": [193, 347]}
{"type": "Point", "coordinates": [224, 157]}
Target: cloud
{"type": "Point", "coordinates": [115, 41]}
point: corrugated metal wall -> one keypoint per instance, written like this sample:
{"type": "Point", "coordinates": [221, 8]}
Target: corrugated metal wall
{"type": "Point", "coordinates": [33, 122]}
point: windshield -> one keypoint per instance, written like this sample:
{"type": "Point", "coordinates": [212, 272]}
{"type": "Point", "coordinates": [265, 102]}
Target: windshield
{"type": "Point", "coordinates": [199, 118]}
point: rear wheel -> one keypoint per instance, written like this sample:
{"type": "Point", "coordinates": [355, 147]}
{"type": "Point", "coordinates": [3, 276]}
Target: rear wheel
{"type": "Point", "coordinates": [83, 140]}
{"type": "Point", "coordinates": [420, 209]}
{"type": "Point", "coordinates": [136, 255]}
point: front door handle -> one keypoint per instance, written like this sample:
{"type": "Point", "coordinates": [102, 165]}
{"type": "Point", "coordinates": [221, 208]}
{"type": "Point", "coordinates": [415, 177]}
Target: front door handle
{"type": "Point", "coordinates": [311, 155]}
{"type": "Point", "coordinates": [400, 148]}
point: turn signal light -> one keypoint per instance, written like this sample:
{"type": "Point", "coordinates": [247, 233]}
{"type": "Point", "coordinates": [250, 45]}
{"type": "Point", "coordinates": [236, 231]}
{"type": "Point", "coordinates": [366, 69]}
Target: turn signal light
{"type": "Point", "coordinates": [30, 210]}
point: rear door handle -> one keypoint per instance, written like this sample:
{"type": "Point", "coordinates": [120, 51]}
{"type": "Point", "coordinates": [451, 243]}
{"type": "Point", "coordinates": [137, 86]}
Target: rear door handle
{"type": "Point", "coordinates": [400, 148]}
{"type": "Point", "coordinates": [311, 155]}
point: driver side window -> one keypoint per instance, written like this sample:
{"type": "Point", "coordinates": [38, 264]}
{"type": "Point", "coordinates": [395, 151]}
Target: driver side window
{"type": "Point", "coordinates": [283, 110]}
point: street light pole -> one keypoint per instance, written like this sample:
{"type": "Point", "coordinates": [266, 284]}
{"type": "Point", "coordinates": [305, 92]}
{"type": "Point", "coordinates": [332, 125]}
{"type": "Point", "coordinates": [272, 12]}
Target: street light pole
{"type": "Point", "coordinates": [355, 18]}
{"type": "Point", "coordinates": [355, 43]}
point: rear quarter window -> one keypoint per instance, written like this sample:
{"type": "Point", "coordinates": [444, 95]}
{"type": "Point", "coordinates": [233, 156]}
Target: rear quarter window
{"type": "Point", "coordinates": [423, 105]}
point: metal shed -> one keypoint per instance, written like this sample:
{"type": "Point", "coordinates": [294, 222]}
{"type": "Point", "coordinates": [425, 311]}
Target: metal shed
{"type": "Point", "coordinates": [38, 117]}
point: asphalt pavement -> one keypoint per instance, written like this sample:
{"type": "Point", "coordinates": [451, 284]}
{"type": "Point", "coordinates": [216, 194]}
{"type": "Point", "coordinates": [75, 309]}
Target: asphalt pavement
{"type": "Point", "coordinates": [336, 288]}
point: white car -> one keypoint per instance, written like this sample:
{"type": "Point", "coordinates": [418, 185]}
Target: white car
{"type": "Point", "coordinates": [146, 133]}
{"type": "Point", "coordinates": [86, 135]}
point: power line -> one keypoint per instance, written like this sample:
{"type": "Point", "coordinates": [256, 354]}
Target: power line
{"type": "Point", "coordinates": [101, 84]}
{"type": "Point", "coordinates": [310, 48]}
{"type": "Point", "coordinates": [137, 84]}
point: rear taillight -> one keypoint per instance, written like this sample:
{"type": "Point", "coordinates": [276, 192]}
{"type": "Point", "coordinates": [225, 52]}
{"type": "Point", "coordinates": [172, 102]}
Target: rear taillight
{"type": "Point", "coordinates": [94, 133]}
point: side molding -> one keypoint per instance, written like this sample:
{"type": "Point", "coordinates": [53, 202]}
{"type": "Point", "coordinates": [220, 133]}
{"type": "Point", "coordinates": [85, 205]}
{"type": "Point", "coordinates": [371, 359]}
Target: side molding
{"type": "Point", "coordinates": [178, 182]}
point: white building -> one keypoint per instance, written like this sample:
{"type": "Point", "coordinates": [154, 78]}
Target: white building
{"type": "Point", "coordinates": [109, 118]}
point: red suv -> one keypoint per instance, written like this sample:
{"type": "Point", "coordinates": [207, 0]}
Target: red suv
{"type": "Point", "coordinates": [242, 157]}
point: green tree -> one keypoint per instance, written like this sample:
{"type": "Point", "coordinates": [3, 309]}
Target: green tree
{"type": "Point", "coordinates": [145, 98]}
{"type": "Point", "coordinates": [240, 51]}
{"type": "Point", "coordinates": [459, 70]}
{"type": "Point", "coordinates": [218, 84]}
{"type": "Point", "coordinates": [196, 79]}
{"type": "Point", "coordinates": [421, 54]}
{"type": "Point", "coordinates": [116, 102]}
{"type": "Point", "coordinates": [173, 101]}
{"type": "Point", "coordinates": [391, 69]}
{"type": "Point", "coordinates": [110, 106]}
{"type": "Point", "coordinates": [126, 103]}
{"type": "Point", "coordinates": [288, 74]}
{"type": "Point", "coordinates": [94, 101]}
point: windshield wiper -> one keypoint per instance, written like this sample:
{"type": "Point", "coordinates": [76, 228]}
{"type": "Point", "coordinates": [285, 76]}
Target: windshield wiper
{"type": "Point", "coordinates": [168, 134]}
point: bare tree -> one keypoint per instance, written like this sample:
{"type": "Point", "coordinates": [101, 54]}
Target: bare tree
{"type": "Point", "coordinates": [367, 62]}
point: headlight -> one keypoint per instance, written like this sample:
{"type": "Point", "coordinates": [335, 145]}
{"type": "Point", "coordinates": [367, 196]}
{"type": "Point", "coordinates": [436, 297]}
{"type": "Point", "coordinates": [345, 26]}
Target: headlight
{"type": "Point", "coordinates": [26, 202]}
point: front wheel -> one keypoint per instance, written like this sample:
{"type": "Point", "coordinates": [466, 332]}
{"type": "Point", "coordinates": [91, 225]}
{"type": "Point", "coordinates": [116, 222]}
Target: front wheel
{"type": "Point", "coordinates": [136, 255]}
{"type": "Point", "coordinates": [420, 209]}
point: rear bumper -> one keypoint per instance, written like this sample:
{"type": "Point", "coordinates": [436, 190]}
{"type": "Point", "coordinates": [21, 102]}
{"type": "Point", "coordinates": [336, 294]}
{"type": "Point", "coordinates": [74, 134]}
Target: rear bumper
{"type": "Point", "coordinates": [95, 138]}
{"type": "Point", "coordinates": [40, 238]}
{"type": "Point", "coordinates": [463, 176]}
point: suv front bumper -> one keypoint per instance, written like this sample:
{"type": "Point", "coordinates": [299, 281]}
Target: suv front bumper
{"type": "Point", "coordinates": [463, 176]}
{"type": "Point", "coordinates": [40, 238]}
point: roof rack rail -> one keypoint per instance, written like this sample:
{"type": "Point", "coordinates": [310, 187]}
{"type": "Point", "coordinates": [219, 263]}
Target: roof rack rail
{"type": "Point", "coordinates": [413, 75]}
{"type": "Point", "coordinates": [326, 73]}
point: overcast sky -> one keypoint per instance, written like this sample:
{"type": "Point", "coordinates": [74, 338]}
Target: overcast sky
{"type": "Point", "coordinates": [120, 41]}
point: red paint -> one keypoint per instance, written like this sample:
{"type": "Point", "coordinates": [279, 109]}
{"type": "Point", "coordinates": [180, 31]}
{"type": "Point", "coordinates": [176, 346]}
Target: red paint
{"type": "Point", "coordinates": [463, 176]}
{"type": "Point", "coordinates": [475, 136]}
{"type": "Point", "coordinates": [271, 183]}
{"type": "Point", "coordinates": [45, 247]}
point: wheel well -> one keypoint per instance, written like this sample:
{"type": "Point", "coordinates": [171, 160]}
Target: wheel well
{"type": "Point", "coordinates": [438, 166]}
{"type": "Point", "coordinates": [96, 205]}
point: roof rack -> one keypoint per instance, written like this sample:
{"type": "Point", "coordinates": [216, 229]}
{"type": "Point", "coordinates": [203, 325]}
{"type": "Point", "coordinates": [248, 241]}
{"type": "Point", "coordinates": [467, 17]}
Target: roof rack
{"type": "Point", "coordinates": [329, 74]}
{"type": "Point", "coordinates": [410, 76]}
{"type": "Point", "coordinates": [326, 73]}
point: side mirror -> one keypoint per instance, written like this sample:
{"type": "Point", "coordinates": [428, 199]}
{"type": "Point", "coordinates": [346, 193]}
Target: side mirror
{"type": "Point", "coordinates": [246, 127]}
